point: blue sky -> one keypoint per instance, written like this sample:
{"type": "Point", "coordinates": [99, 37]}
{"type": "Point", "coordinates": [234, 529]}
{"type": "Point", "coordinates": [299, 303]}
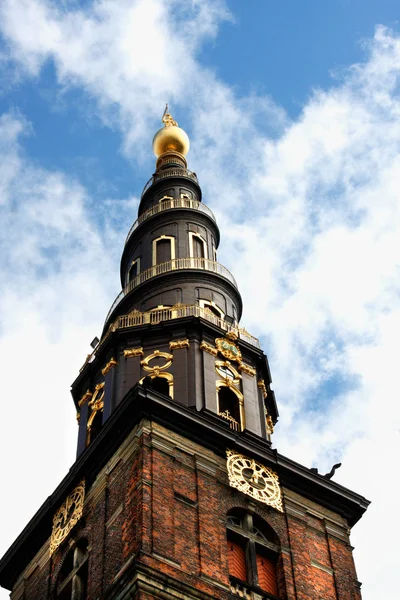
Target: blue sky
{"type": "Point", "coordinates": [293, 114]}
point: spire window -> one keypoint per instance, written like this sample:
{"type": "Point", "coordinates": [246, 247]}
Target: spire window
{"type": "Point", "coordinates": [163, 249]}
{"type": "Point", "coordinates": [213, 308]}
{"type": "Point", "coordinates": [197, 245]}
{"type": "Point", "coordinates": [230, 405]}
{"type": "Point", "coordinates": [134, 270]}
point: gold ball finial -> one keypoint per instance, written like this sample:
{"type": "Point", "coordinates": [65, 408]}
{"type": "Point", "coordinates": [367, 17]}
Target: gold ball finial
{"type": "Point", "coordinates": [170, 137]}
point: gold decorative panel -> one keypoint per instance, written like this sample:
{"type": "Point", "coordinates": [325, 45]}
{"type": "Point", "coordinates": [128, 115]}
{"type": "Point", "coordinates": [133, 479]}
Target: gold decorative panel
{"type": "Point", "coordinates": [228, 349]}
{"type": "Point", "coordinates": [157, 354]}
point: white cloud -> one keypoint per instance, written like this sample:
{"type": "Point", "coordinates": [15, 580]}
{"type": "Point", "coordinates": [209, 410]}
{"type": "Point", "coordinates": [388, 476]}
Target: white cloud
{"type": "Point", "coordinates": [317, 260]}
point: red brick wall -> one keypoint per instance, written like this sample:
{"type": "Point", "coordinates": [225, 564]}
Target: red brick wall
{"type": "Point", "coordinates": [164, 502]}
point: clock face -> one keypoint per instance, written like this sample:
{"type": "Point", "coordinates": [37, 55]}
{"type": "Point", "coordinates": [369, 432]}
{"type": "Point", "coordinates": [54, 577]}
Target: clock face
{"type": "Point", "coordinates": [67, 516]}
{"type": "Point", "coordinates": [254, 479]}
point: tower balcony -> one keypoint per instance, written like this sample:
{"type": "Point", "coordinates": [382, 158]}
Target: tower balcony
{"type": "Point", "coordinates": [136, 318]}
{"type": "Point", "coordinates": [168, 205]}
{"type": "Point", "coordinates": [170, 172]}
{"type": "Point", "coordinates": [177, 264]}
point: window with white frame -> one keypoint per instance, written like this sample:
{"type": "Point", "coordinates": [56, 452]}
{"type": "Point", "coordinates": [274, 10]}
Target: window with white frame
{"type": "Point", "coordinates": [211, 307]}
{"type": "Point", "coordinates": [163, 249]}
{"type": "Point", "coordinates": [197, 245]}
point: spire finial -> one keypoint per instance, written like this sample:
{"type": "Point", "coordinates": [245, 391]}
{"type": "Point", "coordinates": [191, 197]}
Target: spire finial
{"type": "Point", "coordinates": [167, 118]}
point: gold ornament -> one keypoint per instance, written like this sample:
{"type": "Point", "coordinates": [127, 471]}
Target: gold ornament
{"type": "Point", "coordinates": [228, 349]}
{"type": "Point", "coordinates": [247, 369]}
{"type": "Point", "coordinates": [97, 401]}
{"type": "Point", "coordinates": [170, 138]}
{"type": "Point", "coordinates": [227, 371]}
{"type": "Point", "coordinates": [208, 348]}
{"type": "Point", "coordinates": [111, 364]}
{"type": "Point", "coordinates": [253, 479]}
{"type": "Point", "coordinates": [133, 352]}
{"type": "Point", "coordinates": [179, 344]}
{"type": "Point", "coordinates": [262, 386]}
{"type": "Point", "coordinates": [269, 424]}
{"type": "Point", "coordinates": [67, 516]}
{"type": "Point", "coordinates": [86, 396]}
{"type": "Point", "coordinates": [157, 354]}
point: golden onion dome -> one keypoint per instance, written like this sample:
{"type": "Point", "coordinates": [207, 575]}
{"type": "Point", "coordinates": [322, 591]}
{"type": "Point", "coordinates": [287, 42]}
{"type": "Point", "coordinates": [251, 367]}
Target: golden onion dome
{"type": "Point", "coordinates": [170, 137]}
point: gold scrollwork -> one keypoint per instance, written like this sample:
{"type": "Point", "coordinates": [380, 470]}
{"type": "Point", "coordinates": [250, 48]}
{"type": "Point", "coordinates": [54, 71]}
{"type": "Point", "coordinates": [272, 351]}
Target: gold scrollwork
{"type": "Point", "coordinates": [262, 386]}
{"type": "Point", "coordinates": [208, 348]}
{"type": "Point", "coordinates": [110, 365]}
{"type": "Point", "coordinates": [247, 369]}
{"type": "Point", "coordinates": [254, 479]}
{"type": "Point", "coordinates": [228, 417]}
{"type": "Point", "coordinates": [269, 424]}
{"type": "Point", "coordinates": [133, 352]}
{"type": "Point", "coordinates": [67, 516]}
{"type": "Point", "coordinates": [157, 354]}
{"type": "Point", "coordinates": [86, 396]}
{"type": "Point", "coordinates": [232, 335]}
{"type": "Point", "coordinates": [228, 349]}
{"type": "Point", "coordinates": [226, 370]}
{"type": "Point", "coordinates": [176, 344]}
{"type": "Point", "coordinates": [78, 417]}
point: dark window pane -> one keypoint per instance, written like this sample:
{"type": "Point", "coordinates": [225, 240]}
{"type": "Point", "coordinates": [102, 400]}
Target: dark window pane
{"type": "Point", "coordinates": [163, 251]}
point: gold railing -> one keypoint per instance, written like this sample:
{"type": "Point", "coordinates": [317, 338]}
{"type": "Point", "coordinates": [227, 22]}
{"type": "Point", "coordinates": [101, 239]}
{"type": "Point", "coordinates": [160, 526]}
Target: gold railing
{"type": "Point", "coordinates": [233, 424]}
{"type": "Point", "coordinates": [153, 317]}
{"type": "Point", "coordinates": [170, 172]}
{"type": "Point", "coordinates": [167, 205]}
{"type": "Point", "coordinates": [173, 265]}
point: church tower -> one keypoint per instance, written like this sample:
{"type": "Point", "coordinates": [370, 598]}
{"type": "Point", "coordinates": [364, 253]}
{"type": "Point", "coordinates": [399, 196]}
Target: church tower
{"type": "Point", "coordinates": [177, 492]}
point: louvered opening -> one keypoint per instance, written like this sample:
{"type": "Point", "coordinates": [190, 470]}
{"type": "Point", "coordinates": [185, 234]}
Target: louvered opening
{"type": "Point", "coordinates": [266, 572]}
{"type": "Point", "coordinates": [236, 560]}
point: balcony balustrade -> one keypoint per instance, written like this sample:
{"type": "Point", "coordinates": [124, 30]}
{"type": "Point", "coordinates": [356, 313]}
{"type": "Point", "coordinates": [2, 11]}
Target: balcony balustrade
{"type": "Point", "coordinates": [171, 172]}
{"type": "Point", "coordinates": [158, 315]}
{"type": "Point", "coordinates": [176, 264]}
{"type": "Point", "coordinates": [168, 205]}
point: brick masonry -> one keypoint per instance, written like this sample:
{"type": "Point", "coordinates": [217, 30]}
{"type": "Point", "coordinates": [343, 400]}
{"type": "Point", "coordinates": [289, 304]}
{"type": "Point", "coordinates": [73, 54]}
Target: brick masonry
{"type": "Point", "coordinates": [155, 522]}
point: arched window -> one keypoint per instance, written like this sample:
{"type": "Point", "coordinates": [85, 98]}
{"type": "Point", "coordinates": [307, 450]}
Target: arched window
{"type": "Point", "coordinates": [228, 404]}
{"type": "Point", "coordinates": [211, 307]}
{"type": "Point", "coordinates": [73, 575]}
{"type": "Point", "coordinates": [197, 245]}
{"type": "Point", "coordinates": [163, 249]}
{"type": "Point", "coordinates": [162, 383]}
{"type": "Point", "coordinates": [252, 551]}
{"type": "Point", "coordinates": [158, 384]}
